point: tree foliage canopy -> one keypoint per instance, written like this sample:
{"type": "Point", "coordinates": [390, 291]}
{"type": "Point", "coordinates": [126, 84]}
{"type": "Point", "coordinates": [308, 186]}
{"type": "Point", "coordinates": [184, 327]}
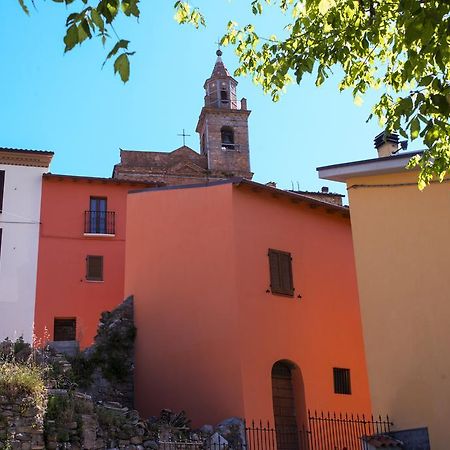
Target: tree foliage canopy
{"type": "Point", "coordinates": [400, 47]}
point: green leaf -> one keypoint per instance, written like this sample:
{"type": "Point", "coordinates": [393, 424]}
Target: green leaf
{"type": "Point", "coordinates": [97, 19]}
{"type": "Point", "coordinates": [24, 7]}
{"type": "Point", "coordinates": [122, 44]}
{"type": "Point", "coordinates": [414, 128]}
{"type": "Point", "coordinates": [71, 38]}
{"type": "Point", "coordinates": [122, 65]}
{"type": "Point", "coordinates": [325, 5]}
{"type": "Point", "coordinates": [358, 100]}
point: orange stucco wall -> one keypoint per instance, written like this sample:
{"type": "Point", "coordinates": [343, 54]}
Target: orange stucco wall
{"type": "Point", "coordinates": [208, 333]}
{"type": "Point", "coordinates": [402, 253]}
{"type": "Point", "coordinates": [62, 288]}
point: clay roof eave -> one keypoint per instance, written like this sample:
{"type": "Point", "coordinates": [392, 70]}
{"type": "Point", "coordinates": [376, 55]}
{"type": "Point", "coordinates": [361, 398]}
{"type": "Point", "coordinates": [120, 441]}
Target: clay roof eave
{"type": "Point", "coordinates": [62, 177]}
{"type": "Point", "coordinates": [291, 195]}
{"type": "Point", "coordinates": [258, 187]}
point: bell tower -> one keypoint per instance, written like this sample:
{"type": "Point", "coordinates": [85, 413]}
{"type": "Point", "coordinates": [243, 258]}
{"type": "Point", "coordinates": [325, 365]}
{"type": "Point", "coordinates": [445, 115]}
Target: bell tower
{"type": "Point", "coordinates": [223, 125]}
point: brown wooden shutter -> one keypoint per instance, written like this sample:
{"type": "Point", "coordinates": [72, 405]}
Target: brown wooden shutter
{"type": "Point", "coordinates": [280, 264]}
{"type": "Point", "coordinates": [286, 273]}
{"type": "Point", "coordinates": [2, 188]}
{"type": "Point", "coordinates": [274, 266]}
{"type": "Point", "coordinates": [94, 268]}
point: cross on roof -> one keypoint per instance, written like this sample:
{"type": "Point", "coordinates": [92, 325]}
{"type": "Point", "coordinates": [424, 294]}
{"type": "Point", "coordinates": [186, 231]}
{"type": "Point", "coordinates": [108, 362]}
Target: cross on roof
{"type": "Point", "coordinates": [184, 137]}
{"type": "Point", "coordinates": [219, 45]}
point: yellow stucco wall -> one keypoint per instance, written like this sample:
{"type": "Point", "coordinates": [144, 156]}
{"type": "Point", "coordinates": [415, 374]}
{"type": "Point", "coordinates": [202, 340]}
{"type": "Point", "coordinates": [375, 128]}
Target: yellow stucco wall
{"type": "Point", "coordinates": [402, 250]}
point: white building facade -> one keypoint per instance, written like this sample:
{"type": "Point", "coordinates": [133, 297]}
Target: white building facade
{"type": "Point", "coordinates": [20, 207]}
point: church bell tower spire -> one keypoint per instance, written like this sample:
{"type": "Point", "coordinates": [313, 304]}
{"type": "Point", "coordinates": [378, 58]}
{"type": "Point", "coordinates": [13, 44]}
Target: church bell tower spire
{"type": "Point", "coordinates": [223, 125]}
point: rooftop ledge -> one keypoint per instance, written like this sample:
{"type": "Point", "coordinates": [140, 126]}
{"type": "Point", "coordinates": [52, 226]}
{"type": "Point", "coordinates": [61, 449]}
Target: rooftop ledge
{"type": "Point", "coordinates": [376, 166]}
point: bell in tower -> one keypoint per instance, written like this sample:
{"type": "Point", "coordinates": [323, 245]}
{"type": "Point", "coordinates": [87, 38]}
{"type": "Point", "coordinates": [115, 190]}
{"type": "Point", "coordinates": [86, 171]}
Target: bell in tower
{"type": "Point", "coordinates": [223, 125]}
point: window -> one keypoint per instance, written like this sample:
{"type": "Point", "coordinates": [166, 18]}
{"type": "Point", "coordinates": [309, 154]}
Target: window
{"type": "Point", "coordinates": [64, 329]}
{"type": "Point", "coordinates": [2, 188]}
{"type": "Point", "coordinates": [280, 265]}
{"type": "Point", "coordinates": [98, 215]}
{"type": "Point", "coordinates": [227, 135]}
{"type": "Point", "coordinates": [94, 268]}
{"type": "Point", "coordinates": [1, 233]}
{"type": "Point", "coordinates": [202, 144]}
{"type": "Point", "coordinates": [342, 381]}
{"type": "Point", "coordinates": [224, 96]}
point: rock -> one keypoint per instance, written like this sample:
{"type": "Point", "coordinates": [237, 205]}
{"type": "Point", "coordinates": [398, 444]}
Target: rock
{"type": "Point", "coordinates": [89, 427]}
{"type": "Point", "coordinates": [151, 444]}
{"type": "Point", "coordinates": [233, 430]}
{"type": "Point", "coordinates": [207, 429]}
{"type": "Point", "coordinates": [218, 442]}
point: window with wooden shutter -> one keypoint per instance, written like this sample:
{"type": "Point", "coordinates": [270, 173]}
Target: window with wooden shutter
{"type": "Point", "coordinates": [94, 268]}
{"type": "Point", "coordinates": [2, 188]}
{"type": "Point", "coordinates": [280, 265]}
{"type": "Point", "coordinates": [341, 378]}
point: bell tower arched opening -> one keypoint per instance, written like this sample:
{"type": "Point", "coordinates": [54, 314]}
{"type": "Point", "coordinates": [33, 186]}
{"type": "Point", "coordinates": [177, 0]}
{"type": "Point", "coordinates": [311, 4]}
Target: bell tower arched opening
{"type": "Point", "coordinates": [227, 138]}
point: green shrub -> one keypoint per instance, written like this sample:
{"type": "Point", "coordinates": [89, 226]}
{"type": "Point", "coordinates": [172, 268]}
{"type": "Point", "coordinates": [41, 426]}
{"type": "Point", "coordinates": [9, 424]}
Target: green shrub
{"type": "Point", "coordinates": [22, 379]}
{"type": "Point", "coordinates": [82, 369]}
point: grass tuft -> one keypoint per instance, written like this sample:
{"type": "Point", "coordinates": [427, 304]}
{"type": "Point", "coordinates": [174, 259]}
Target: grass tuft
{"type": "Point", "coordinates": [22, 380]}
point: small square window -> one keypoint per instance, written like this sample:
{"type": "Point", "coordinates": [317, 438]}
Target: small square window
{"type": "Point", "coordinates": [342, 383]}
{"type": "Point", "coordinates": [94, 268]}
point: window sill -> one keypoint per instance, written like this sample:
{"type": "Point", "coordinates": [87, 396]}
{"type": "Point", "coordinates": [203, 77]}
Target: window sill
{"type": "Point", "coordinates": [94, 281]}
{"type": "Point", "coordinates": [282, 295]}
{"type": "Point", "coordinates": [100, 235]}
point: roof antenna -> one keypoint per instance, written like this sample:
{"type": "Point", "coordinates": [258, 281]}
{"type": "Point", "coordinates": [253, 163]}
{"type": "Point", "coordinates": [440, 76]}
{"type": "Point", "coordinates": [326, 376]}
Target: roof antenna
{"type": "Point", "coordinates": [298, 186]}
{"type": "Point", "coordinates": [292, 185]}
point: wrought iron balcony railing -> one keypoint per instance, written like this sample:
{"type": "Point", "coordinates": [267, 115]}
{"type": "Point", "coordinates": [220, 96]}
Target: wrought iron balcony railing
{"type": "Point", "coordinates": [100, 222]}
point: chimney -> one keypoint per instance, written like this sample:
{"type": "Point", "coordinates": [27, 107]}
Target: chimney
{"type": "Point", "coordinates": [325, 190]}
{"type": "Point", "coordinates": [386, 144]}
{"type": "Point", "coordinates": [271, 184]}
{"type": "Point", "coordinates": [244, 104]}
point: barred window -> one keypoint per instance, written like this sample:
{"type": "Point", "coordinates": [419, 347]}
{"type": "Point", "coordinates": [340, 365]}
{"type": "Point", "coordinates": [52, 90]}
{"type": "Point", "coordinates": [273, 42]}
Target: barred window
{"type": "Point", "coordinates": [94, 268]}
{"type": "Point", "coordinates": [342, 383]}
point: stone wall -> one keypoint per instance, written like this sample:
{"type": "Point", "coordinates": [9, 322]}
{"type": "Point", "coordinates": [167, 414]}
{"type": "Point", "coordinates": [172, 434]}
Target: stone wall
{"type": "Point", "coordinates": [105, 370]}
{"type": "Point", "coordinates": [21, 424]}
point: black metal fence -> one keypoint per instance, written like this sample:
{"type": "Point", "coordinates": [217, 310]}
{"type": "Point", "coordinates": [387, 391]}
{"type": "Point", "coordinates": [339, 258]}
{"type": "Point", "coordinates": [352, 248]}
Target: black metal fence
{"type": "Point", "coordinates": [100, 222]}
{"type": "Point", "coordinates": [320, 431]}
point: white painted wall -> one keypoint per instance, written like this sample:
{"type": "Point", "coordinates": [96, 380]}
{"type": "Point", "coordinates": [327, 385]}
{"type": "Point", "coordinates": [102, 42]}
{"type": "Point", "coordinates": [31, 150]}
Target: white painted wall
{"type": "Point", "coordinates": [19, 251]}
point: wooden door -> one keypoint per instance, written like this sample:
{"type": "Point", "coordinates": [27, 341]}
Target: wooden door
{"type": "Point", "coordinates": [284, 407]}
{"type": "Point", "coordinates": [64, 330]}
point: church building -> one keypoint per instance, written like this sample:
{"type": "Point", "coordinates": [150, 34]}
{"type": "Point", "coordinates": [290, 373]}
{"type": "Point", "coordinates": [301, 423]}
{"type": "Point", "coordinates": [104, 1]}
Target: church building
{"type": "Point", "coordinates": [224, 143]}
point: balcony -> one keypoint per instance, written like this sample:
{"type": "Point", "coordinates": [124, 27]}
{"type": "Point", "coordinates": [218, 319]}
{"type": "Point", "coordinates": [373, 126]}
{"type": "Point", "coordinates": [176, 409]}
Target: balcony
{"type": "Point", "coordinates": [99, 223]}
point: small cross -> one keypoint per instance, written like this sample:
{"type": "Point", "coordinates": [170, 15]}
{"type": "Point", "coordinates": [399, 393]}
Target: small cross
{"type": "Point", "coordinates": [219, 44]}
{"type": "Point", "coordinates": [184, 137]}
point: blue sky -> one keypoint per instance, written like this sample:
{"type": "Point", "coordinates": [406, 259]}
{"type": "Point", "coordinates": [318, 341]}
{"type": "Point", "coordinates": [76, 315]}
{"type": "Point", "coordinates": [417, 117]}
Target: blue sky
{"type": "Point", "coordinates": [68, 104]}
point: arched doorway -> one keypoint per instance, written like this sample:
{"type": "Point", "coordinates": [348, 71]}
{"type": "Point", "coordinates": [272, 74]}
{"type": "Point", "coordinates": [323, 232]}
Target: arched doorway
{"type": "Point", "coordinates": [284, 406]}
